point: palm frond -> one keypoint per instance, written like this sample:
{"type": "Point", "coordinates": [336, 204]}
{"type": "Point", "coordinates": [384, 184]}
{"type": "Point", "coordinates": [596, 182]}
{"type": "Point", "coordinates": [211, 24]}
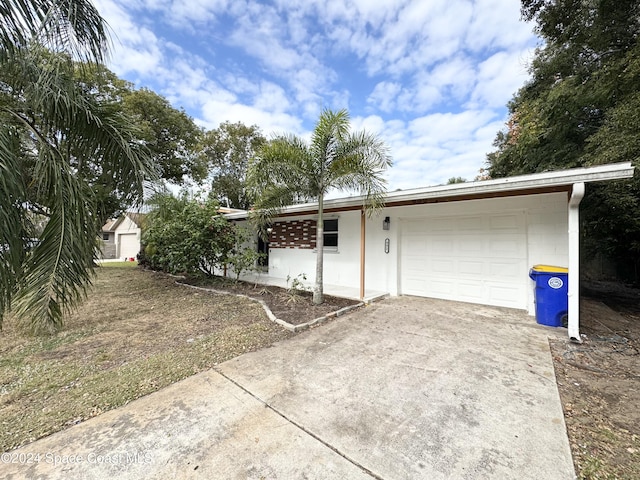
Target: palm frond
{"type": "Point", "coordinates": [12, 221]}
{"type": "Point", "coordinates": [89, 128]}
{"type": "Point", "coordinates": [269, 205]}
{"type": "Point", "coordinates": [284, 162]}
{"type": "Point", "coordinates": [63, 141]}
{"type": "Point", "coordinates": [58, 270]}
{"type": "Point", "coordinates": [72, 26]}
{"type": "Point", "coordinates": [334, 159]}
{"type": "Point", "coordinates": [362, 161]}
{"type": "Point", "coordinates": [280, 174]}
{"type": "Point", "coordinates": [330, 131]}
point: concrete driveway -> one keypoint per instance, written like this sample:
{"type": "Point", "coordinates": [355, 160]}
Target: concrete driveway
{"type": "Point", "coordinates": [405, 388]}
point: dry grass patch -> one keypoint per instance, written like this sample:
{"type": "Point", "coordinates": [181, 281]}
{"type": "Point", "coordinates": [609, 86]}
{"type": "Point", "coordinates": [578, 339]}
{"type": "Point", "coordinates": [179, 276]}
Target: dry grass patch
{"type": "Point", "coordinates": [138, 332]}
{"type": "Point", "coordinates": [599, 384]}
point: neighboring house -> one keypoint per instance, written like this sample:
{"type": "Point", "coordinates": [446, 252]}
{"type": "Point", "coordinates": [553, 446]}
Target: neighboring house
{"type": "Point", "coordinates": [472, 242]}
{"type": "Point", "coordinates": [121, 236]}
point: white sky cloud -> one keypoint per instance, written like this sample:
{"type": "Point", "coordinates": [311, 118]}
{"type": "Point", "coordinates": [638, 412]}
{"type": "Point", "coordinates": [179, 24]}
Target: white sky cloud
{"type": "Point", "coordinates": [432, 78]}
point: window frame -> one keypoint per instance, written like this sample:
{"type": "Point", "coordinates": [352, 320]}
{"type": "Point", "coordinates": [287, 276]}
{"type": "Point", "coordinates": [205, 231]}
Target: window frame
{"type": "Point", "coordinates": [333, 233]}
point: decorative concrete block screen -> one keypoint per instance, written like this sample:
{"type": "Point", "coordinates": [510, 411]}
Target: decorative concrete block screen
{"type": "Point", "coordinates": [293, 234]}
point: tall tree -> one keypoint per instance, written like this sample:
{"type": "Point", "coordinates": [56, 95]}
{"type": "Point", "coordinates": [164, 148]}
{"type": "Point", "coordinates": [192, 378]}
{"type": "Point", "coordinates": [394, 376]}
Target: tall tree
{"type": "Point", "coordinates": [287, 169]}
{"type": "Point", "coordinates": [227, 150]}
{"type": "Point", "coordinates": [50, 129]}
{"type": "Point", "coordinates": [579, 109]}
{"type": "Point", "coordinates": [169, 133]}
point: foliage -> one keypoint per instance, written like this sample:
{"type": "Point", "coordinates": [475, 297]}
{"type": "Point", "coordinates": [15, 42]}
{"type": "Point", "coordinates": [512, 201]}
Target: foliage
{"type": "Point", "coordinates": [296, 287]}
{"type": "Point", "coordinates": [580, 109]}
{"type": "Point", "coordinates": [183, 235]}
{"type": "Point", "coordinates": [244, 256]}
{"type": "Point", "coordinates": [287, 170]}
{"type": "Point", "coordinates": [50, 130]}
{"type": "Point", "coordinates": [73, 26]}
{"type": "Point", "coordinates": [227, 151]}
{"type": "Point", "coordinates": [170, 134]}
{"type": "Point", "coordinates": [453, 180]}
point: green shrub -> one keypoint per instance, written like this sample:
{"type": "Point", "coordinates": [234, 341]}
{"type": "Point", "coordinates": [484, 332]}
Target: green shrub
{"type": "Point", "coordinates": [183, 235]}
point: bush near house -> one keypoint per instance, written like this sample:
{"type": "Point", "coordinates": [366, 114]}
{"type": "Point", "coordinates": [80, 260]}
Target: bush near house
{"type": "Point", "coordinates": [189, 236]}
{"type": "Point", "coordinates": [244, 256]}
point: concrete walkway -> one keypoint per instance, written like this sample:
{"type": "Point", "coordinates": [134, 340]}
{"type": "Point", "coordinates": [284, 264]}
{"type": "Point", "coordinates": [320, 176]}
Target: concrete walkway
{"type": "Point", "coordinates": [404, 389]}
{"type": "Point", "coordinates": [329, 289]}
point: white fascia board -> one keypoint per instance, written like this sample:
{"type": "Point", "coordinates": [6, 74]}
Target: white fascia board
{"type": "Point", "coordinates": [614, 171]}
{"type": "Point", "coordinates": [521, 182]}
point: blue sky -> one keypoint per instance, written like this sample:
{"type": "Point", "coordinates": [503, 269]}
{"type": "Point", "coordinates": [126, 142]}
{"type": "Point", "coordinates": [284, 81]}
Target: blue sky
{"type": "Point", "coordinates": [430, 77]}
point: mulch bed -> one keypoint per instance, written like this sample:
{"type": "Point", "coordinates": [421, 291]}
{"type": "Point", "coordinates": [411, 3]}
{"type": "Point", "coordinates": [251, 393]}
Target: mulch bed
{"type": "Point", "coordinates": [599, 383]}
{"type": "Point", "coordinates": [291, 305]}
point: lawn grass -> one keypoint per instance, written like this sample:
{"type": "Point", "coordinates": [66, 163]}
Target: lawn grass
{"type": "Point", "coordinates": [118, 264]}
{"type": "Point", "coordinates": [137, 332]}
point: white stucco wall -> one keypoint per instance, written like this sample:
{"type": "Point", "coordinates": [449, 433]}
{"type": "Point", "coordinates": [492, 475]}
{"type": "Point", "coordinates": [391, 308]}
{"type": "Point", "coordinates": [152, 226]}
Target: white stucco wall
{"type": "Point", "coordinates": [341, 267]}
{"type": "Point", "coordinates": [546, 241]}
{"type": "Point", "coordinates": [547, 232]}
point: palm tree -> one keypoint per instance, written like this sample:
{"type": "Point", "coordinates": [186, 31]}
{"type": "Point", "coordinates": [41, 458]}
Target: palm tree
{"type": "Point", "coordinates": [288, 170]}
{"type": "Point", "coordinates": [56, 138]}
{"type": "Point", "coordinates": [73, 26]}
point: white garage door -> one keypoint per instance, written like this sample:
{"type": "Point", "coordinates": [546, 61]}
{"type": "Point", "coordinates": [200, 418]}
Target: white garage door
{"type": "Point", "coordinates": [129, 245]}
{"type": "Point", "coordinates": [478, 259]}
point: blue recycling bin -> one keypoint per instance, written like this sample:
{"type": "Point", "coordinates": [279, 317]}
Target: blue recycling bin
{"type": "Point", "coordinates": [552, 302]}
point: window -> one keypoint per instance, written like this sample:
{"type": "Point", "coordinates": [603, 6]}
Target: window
{"type": "Point", "coordinates": [105, 237]}
{"type": "Point", "coordinates": [331, 233]}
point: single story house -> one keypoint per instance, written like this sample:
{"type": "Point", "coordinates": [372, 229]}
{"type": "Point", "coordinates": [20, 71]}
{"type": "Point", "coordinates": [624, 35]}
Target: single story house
{"type": "Point", "coordinates": [121, 236]}
{"type": "Point", "coordinates": [472, 242]}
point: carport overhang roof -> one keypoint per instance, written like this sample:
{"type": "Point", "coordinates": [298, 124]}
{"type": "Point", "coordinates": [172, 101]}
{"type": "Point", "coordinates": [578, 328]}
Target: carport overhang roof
{"type": "Point", "coordinates": [533, 184]}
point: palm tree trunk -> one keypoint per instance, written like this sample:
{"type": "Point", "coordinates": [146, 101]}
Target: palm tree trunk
{"type": "Point", "coordinates": [318, 296]}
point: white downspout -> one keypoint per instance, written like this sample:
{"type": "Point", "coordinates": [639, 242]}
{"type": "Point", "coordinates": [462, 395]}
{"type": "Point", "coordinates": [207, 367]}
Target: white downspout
{"type": "Point", "coordinates": [577, 192]}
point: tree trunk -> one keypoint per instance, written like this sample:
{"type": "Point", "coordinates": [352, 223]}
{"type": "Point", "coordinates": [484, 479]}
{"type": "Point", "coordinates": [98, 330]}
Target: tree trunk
{"type": "Point", "coordinates": [318, 296]}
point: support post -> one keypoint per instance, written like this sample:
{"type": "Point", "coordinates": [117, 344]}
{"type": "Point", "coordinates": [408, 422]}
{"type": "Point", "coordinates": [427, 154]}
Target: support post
{"type": "Point", "coordinates": [363, 227]}
{"type": "Point", "coordinates": [577, 192]}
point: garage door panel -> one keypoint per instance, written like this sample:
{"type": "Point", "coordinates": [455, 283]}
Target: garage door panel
{"type": "Point", "coordinates": [506, 245]}
{"type": "Point", "coordinates": [471, 290]}
{"type": "Point", "coordinates": [416, 266]}
{"type": "Point", "coordinates": [469, 245]}
{"type": "Point", "coordinates": [437, 225]}
{"type": "Point", "coordinates": [506, 222]}
{"type": "Point", "coordinates": [416, 287]}
{"type": "Point", "coordinates": [503, 295]}
{"type": "Point", "coordinates": [505, 269]}
{"type": "Point", "coordinates": [480, 259]}
{"type": "Point", "coordinates": [470, 267]}
{"type": "Point", "coordinates": [440, 246]}
{"type": "Point", "coordinates": [442, 266]}
{"type": "Point", "coordinates": [415, 242]}
{"type": "Point", "coordinates": [467, 224]}
{"type": "Point", "coordinates": [443, 287]}
{"type": "Point", "coordinates": [415, 228]}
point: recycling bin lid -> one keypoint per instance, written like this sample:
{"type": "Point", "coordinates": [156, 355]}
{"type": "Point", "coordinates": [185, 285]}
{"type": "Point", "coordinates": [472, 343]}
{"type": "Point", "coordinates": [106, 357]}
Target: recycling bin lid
{"type": "Point", "coordinates": [549, 269]}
